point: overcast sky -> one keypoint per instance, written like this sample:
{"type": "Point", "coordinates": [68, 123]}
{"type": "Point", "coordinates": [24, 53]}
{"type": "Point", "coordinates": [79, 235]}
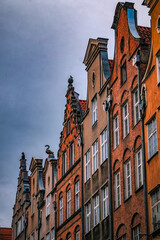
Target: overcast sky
{"type": "Point", "coordinates": [42, 43]}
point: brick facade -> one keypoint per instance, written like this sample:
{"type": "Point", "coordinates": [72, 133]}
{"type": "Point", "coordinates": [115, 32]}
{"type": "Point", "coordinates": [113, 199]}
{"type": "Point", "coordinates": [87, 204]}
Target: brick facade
{"type": "Point", "coordinates": [128, 195]}
{"type": "Point", "coordinates": [68, 187]}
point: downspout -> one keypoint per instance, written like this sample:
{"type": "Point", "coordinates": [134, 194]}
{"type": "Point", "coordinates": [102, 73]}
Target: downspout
{"type": "Point", "coordinates": [107, 107]}
{"type": "Point", "coordinates": [142, 115]}
{"type": "Point", "coordinates": [82, 208]}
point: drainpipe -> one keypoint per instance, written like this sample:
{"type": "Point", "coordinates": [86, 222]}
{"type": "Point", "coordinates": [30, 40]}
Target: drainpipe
{"type": "Point", "coordinates": [142, 115]}
{"type": "Point", "coordinates": [107, 107]}
{"type": "Point", "coordinates": [82, 201]}
{"type": "Point", "coordinates": [55, 218]}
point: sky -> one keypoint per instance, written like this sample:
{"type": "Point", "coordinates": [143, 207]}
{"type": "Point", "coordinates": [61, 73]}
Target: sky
{"type": "Point", "coordinates": [42, 43]}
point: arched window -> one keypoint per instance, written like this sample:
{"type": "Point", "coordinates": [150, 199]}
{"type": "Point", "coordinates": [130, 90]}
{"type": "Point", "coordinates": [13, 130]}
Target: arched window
{"type": "Point", "coordinates": [77, 233]}
{"type": "Point", "coordinates": [60, 209]}
{"type": "Point", "coordinates": [68, 201]}
{"type": "Point", "coordinates": [77, 194]}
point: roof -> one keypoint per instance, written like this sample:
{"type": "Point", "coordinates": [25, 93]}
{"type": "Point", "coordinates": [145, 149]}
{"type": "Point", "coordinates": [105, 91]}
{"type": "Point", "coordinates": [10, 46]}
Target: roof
{"type": "Point", "coordinates": [110, 64]}
{"type": "Point", "coordinates": [83, 105]}
{"type": "Point", "coordinates": [5, 233]}
{"type": "Point", "coordinates": [145, 33]}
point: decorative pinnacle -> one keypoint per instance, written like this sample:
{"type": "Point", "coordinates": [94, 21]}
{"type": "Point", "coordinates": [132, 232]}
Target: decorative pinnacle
{"type": "Point", "coordinates": [23, 155]}
{"type": "Point", "coordinates": [70, 81]}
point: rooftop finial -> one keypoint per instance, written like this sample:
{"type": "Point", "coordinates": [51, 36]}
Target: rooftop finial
{"type": "Point", "coordinates": [70, 81]}
{"type": "Point", "coordinates": [23, 155]}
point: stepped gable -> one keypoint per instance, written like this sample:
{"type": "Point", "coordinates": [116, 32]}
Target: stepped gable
{"type": "Point", "coordinates": [145, 33]}
{"type": "Point", "coordinates": [5, 233]}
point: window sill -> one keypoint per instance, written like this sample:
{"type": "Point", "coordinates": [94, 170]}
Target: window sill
{"type": "Point", "coordinates": [127, 199]}
{"type": "Point", "coordinates": [47, 217]}
{"type": "Point", "coordinates": [88, 180]}
{"type": "Point", "coordinates": [117, 208]}
{"type": "Point", "coordinates": [95, 172]}
{"type": "Point", "coordinates": [104, 161]}
{"type": "Point", "coordinates": [138, 189]}
{"type": "Point", "coordinates": [155, 233]}
{"type": "Point", "coordinates": [94, 124]}
{"type": "Point", "coordinates": [152, 157]}
{"type": "Point", "coordinates": [32, 215]}
{"type": "Point", "coordinates": [124, 138]}
{"type": "Point", "coordinates": [136, 123]}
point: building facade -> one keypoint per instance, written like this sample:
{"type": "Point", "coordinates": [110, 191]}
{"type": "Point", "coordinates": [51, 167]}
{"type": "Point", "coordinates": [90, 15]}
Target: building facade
{"type": "Point", "coordinates": [95, 140]}
{"type": "Point", "coordinates": [22, 201]}
{"type": "Point", "coordinates": [68, 187]}
{"type": "Point", "coordinates": [151, 86]}
{"type": "Point", "coordinates": [5, 233]}
{"type": "Point", "coordinates": [126, 142]}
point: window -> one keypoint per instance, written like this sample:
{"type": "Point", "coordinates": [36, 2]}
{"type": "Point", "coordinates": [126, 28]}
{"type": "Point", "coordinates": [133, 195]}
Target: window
{"type": "Point", "coordinates": [152, 137]}
{"type": "Point", "coordinates": [105, 202]}
{"type": "Point", "coordinates": [127, 177]}
{"type": "Point", "coordinates": [33, 203]}
{"type": "Point", "coordinates": [123, 73]}
{"type": "Point", "coordinates": [125, 120]}
{"type": "Point", "coordinates": [68, 203]}
{"type": "Point", "coordinates": [139, 170]}
{"type": "Point", "coordinates": [78, 235]}
{"type": "Point", "coordinates": [155, 206]}
{"type": "Point", "coordinates": [88, 217]}
{"type": "Point", "coordinates": [47, 236]}
{"type": "Point", "coordinates": [19, 227]}
{"type": "Point", "coordinates": [71, 154]}
{"type": "Point", "coordinates": [158, 68]}
{"type": "Point", "coordinates": [93, 79]}
{"type": "Point", "coordinates": [136, 232]}
{"type": "Point", "coordinates": [48, 205]}
{"type": "Point", "coordinates": [76, 196]}
{"type": "Point", "coordinates": [116, 131]}
{"type": "Point", "coordinates": [68, 127]}
{"type": "Point", "coordinates": [122, 237]}
{"type": "Point", "coordinates": [94, 110]}
{"type": "Point", "coordinates": [95, 155]}
{"type": "Point", "coordinates": [53, 234]}
{"type": "Point", "coordinates": [104, 145]}
{"type": "Point", "coordinates": [32, 236]}
{"type": "Point", "coordinates": [64, 163]}
{"type": "Point", "coordinates": [87, 165]}
{"type": "Point", "coordinates": [117, 190]}
{"type": "Point", "coordinates": [96, 209]}
{"type": "Point", "coordinates": [22, 222]}
{"type": "Point", "coordinates": [136, 106]}
{"type": "Point", "coordinates": [60, 210]}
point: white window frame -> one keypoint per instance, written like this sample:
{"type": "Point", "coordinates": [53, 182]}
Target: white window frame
{"type": "Point", "coordinates": [87, 165]}
{"type": "Point", "coordinates": [136, 232]}
{"type": "Point", "coordinates": [94, 110]}
{"type": "Point", "coordinates": [116, 131]}
{"type": "Point", "coordinates": [155, 206]}
{"type": "Point", "coordinates": [88, 217]}
{"type": "Point", "coordinates": [136, 106]}
{"type": "Point", "coordinates": [96, 209]}
{"type": "Point", "coordinates": [60, 210]}
{"type": "Point", "coordinates": [152, 134]}
{"type": "Point", "coordinates": [76, 196]}
{"type": "Point", "coordinates": [71, 154]}
{"type": "Point", "coordinates": [139, 169]}
{"type": "Point", "coordinates": [125, 120]}
{"type": "Point", "coordinates": [104, 147]}
{"type": "Point", "coordinates": [47, 236]}
{"type": "Point", "coordinates": [77, 235]}
{"type": "Point", "coordinates": [48, 201]}
{"type": "Point", "coordinates": [105, 202]}
{"type": "Point", "coordinates": [53, 233]}
{"type": "Point", "coordinates": [127, 178]}
{"type": "Point", "coordinates": [117, 189]}
{"type": "Point", "coordinates": [95, 156]}
{"type": "Point", "coordinates": [158, 68]}
{"type": "Point", "coordinates": [64, 163]}
{"type": "Point", "coordinates": [68, 203]}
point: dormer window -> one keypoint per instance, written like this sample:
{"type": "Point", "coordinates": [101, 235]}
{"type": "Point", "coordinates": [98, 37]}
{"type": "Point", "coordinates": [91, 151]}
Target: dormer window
{"type": "Point", "coordinates": [93, 79]}
{"type": "Point", "coordinates": [123, 73]}
{"type": "Point", "coordinates": [158, 24]}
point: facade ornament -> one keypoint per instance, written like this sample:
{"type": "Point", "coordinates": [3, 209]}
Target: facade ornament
{"type": "Point", "coordinates": [49, 152]}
